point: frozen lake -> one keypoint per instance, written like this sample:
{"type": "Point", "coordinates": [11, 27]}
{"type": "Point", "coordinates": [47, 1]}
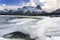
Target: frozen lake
{"type": "Point", "coordinates": [37, 28]}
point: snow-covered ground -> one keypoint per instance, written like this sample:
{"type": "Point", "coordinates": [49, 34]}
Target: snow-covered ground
{"type": "Point", "coordinates": [53, 38]}
{"type": "Point", "coordinates": [36, 28]}
{"type": "Point", "coordinates": [9, 39]}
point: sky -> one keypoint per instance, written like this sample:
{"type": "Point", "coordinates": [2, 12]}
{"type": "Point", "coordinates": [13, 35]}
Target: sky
{"type": "Point", "coordinates": [18, 2]}
{"type": "Point", "coordinates": [13, 2]}
{"type": "Point", "coordinates": [47, 5]}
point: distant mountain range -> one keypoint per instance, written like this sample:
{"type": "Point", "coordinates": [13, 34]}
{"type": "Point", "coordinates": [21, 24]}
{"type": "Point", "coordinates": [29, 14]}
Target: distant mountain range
{"type": "Point", "coordinates": [28, 10]}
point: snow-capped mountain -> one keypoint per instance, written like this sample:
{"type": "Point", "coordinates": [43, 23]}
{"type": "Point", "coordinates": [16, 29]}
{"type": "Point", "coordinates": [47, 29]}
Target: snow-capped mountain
{"type": "Point", "coordinates": [56, 11]}
{"type": "Point", "coordinates": [24, 10]}
{"type": "Point", "coordinates": [28, 10]}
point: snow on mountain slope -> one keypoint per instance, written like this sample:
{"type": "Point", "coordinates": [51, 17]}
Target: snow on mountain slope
{"type": "Point", "coordinates": [24, 10]}
{"type": "Point", "coordinates": [31, 9]}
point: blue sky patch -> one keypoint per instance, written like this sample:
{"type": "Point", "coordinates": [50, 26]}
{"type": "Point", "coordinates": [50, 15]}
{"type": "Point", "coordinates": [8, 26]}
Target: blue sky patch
{"type": "Point", "coordinates": [13, 2]}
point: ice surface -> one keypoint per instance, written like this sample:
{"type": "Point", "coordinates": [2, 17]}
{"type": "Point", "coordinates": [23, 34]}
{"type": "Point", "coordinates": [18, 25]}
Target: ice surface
{"type": "Point", "coordinates": [36, 28]}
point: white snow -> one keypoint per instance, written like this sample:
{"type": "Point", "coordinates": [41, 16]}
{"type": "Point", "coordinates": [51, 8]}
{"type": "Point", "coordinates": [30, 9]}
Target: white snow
{"type": "Point", "coordinates": [36, 28]}
{"type": "Point", "coordinates": [10, 39]}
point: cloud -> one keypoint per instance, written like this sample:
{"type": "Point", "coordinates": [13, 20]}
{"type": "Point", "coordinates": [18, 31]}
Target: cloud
{"type": "Point", "coordinates": [35, 3]}
{"type": "Point", "coordinates": [3, 6]}
{"type": "Point", "coordinates": [31, 3]}
{"type": "Point", "coordinates": [58, 3]}
{"type": "Point", "coordinates": [49, 5]}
